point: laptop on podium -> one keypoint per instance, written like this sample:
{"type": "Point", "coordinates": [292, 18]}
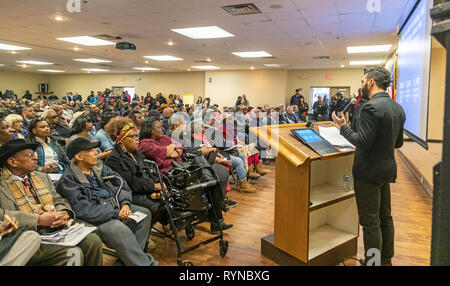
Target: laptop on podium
{"type": "Point", "coordinates": [314, 141]}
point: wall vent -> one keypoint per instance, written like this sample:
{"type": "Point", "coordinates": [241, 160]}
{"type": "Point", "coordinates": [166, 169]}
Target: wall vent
{"type": "Point", "coordinates": [242, 9]}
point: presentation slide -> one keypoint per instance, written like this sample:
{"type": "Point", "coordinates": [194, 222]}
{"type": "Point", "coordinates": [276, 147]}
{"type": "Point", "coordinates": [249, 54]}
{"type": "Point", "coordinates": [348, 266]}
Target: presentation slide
{"type": "Point", "coordinates": [414, 54]}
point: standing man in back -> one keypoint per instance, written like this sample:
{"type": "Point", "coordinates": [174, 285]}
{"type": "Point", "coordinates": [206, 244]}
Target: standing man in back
{"type": "Point", "coordinates": [379, 130]}
{"type": "Point", "coordinates": [295, 99]}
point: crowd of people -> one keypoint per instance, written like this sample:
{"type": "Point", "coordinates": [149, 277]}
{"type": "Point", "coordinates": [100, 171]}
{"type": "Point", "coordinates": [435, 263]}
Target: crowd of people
{"type": "Point", "coordinates": [112, 135]}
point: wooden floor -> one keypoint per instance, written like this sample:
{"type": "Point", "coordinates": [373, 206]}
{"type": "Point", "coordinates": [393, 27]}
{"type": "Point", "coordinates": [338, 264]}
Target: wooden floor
{"type": "Point", "coordinates": [253, 218]}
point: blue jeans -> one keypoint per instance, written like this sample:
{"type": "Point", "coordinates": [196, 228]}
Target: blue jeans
{"type": "Point", "coordinates": [238, 164]}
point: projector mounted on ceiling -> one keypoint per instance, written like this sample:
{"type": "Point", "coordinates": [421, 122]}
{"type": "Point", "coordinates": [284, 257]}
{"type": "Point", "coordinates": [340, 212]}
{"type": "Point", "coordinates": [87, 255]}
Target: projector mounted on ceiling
{"type": "Point", "coordinates": [124, 45]}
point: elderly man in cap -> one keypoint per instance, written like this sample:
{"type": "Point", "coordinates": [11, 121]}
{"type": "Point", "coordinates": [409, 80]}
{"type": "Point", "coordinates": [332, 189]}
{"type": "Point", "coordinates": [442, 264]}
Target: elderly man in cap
{"type": "Point", "coordinates": [30, 197]}
{"type": "Point", "coordinates": [104, 203]}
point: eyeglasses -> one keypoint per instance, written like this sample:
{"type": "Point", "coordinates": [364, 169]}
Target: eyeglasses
{"type": "Point", "coordinates": [28, 155]}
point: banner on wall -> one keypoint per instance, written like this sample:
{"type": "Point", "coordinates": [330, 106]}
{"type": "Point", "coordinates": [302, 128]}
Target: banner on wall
{"type": "Point", "coordinates": [188, 99]}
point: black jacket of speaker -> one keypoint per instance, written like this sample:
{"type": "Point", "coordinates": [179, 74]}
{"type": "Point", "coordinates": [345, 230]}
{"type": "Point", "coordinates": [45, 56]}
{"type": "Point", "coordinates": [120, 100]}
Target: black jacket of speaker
{"type": "Point", "coordinates": [379, 130]}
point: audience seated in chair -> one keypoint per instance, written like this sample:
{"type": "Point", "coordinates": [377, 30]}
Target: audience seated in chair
{"type": "Point", "coordinates": [100, 203]}
{"type": "Point", "coordinates": [6, 133]}
{"type": "Point", "coordinates": [128, 162]}
{"type": "Point", "coordinates": [58, 130]}
{"type": "Point", "coordinates": [30, 197]}
{"type": "Point", "coordinates": [81, 128]}
{"type": "Point", "coordinates": [159, 148]}
{"type": "Point", "coordinates": [51, 157]}
{"type": "Point", "coordinates": [15, 121]}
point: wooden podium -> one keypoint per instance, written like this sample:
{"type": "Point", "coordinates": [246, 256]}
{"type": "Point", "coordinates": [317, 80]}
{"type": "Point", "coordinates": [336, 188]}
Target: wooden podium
{"type": "Point", "coordinates": [324, 233]}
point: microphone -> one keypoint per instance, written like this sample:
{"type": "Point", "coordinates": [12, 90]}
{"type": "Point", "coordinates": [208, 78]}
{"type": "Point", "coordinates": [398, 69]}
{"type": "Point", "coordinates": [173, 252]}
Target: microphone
{"type": "Point", "coordinates": [350, 105]}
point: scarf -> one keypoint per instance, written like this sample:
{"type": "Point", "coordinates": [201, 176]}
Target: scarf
{"type": "Point", "coordinates": [37, 201]}
{"type": "Point", "coordinates": [124, 133]}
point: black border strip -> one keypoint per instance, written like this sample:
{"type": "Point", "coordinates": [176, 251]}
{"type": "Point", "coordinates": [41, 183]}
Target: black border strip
{"type": "Point", "coordinates": [416, 139]}
{"type": "Point", "coordinates": [409, 16]}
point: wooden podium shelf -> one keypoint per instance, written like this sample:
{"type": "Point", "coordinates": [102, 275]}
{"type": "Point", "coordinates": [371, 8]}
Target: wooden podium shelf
{"type": "Point", "coordinates": [325, 232]}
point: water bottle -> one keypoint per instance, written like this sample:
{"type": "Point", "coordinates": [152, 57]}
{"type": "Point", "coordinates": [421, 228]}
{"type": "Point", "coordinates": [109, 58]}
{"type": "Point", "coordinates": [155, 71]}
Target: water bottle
{"type": "Point", "coordinates": [348, 182]}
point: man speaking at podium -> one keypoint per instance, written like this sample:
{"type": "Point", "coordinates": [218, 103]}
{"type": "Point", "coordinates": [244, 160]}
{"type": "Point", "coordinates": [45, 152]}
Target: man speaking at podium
{"type": "Point", "coordinates": [378, 132]}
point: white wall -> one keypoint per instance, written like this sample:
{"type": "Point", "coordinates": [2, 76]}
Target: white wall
{"type": "Point", "coordinates": [260, 86]}
{"type": "Point", "coordinates": [20, 82]}
{"type": "Point", "coordinates": [178, 83]}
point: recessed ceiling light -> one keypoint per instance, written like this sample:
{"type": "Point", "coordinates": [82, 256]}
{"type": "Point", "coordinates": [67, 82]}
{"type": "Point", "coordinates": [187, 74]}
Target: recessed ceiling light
{"type": "Point", "coordinates": [208, 59]}
{"type": "Point", "coordinates": [256, 54]}
{"type": "Point", "coordinates": [163, 58]}
{"type": "Point", "coordinates": [272, 65]}
{"type": "Point", "coordinates": [189, 69]}
{"type": "Point", "coordinates": [76, 49]}
{"type": "Point", "coordinates": [12, 48]}
{"type": "Point", "coordinates": [92, 61]}
{"type": "Point", "coordinates": [368, 49]}
{"type": "Point", "coordinates": [210, 32]}
{"type": "Point", "coordinates": [53, 71]}
{"type": "Point", "coordinates": [35, 63]}
{"type": "Point", "coordinates": [146, 69]}
{"type": "Point", "coordinates": [95, 70]}
{"type": "Point", "coordinates": [252, 68]}
{"type": "Point", "coordinates": [342, 66]}
{"type": "Point", "coordinates": [146, 62]}
{"type": "Point", "coordinates": [86, 41]}
{"type": "Point", "coordinates": [170, 43]}
{"type": "Point", "coordinates": [362, 63]}
{"type": "Point", "coordinates": [24, 66]}
{"type": "Point", "coordinates": [59, 18]}
{"type": "Point", "coordinates": [205, 67]}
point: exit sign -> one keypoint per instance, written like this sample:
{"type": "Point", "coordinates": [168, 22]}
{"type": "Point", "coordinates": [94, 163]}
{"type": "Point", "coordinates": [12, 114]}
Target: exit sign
{"type": "Point", "coordinates": [329, 76]}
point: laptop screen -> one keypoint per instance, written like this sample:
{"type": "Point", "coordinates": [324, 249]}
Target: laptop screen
{"type": "Point", "coordinates": [308, 135]}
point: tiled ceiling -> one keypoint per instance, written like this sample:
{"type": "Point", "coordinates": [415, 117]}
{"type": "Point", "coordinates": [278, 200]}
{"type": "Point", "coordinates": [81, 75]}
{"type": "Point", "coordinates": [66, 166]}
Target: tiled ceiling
{"type": "Point", "coordinates": [294, 32]}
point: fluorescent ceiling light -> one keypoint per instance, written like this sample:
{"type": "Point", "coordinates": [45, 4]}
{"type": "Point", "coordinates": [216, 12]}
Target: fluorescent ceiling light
{"type": "Point", "coordinates": [92, 60]}
{"type": "Point", "coordinates": [364, 63]}
{"type": "Point", "coordinates": [12, 48]}
{"type": "Point", "coordinates": [146, 69]}
{"type": "Point", "coordinates": [163, 58]}
{"type": "Point", "coordinates": [256, 54]}
{"type": "Point", "coordinates": [54, 71]}
{"type": "Point", "coordinates": [1, 65]}
{"type": "Point", "coordinates": [95, 70]}
{"type": "Point", "coordinates": [35, 63]}
{"type": "Point", "coordinates": [210, 32]}
{"type": "Point", "coordinates": [205, 67]}
{"type": "Point", "coordinates": [368, 49]}
{"type": "Point", "coordinates": [86, 41]}
{"type": "Point", "coordinates": [272, 65]}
